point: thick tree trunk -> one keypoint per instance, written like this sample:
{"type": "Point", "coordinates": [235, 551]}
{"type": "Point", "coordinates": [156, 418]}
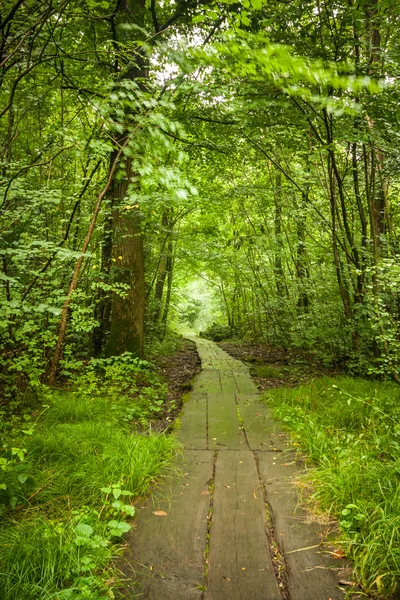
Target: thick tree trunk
{"type": "Point", "coordinates": [127, 313]}
{"type": "Point", "coordinates": [127, 318]}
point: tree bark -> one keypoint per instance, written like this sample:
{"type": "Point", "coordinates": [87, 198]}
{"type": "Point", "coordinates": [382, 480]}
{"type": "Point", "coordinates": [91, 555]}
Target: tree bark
{"type": "Point", "coordinates": [127, 312]}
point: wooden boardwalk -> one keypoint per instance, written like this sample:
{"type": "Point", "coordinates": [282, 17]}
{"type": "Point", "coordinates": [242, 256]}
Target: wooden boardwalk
{"type": "Point", "coordinates": [233, 528]}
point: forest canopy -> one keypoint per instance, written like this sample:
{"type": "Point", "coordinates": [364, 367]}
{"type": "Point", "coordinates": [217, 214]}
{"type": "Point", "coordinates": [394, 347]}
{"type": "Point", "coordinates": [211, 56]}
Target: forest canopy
{"type": "Point", "coordinates": [246, 146]}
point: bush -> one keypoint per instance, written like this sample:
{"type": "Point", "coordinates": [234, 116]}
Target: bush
{"type": "Point", "coordinates": [217, 332]}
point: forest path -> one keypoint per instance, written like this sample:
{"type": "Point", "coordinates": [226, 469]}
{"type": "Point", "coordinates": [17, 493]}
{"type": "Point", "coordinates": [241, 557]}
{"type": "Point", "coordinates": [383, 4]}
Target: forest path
{"type": "Point", "coordinates": [230, 526]}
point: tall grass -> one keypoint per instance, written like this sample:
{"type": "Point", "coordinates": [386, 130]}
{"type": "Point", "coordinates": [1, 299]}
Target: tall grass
{"type": "Point", "coordinates": [350, 428]}
{"type": "Point", "coordinates": [58, 544]}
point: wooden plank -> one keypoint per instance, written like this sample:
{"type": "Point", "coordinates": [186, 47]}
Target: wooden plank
{"type": "Point", "coordinates": [166, 557]}
{"type": "Point", "coordinates": [312, 573]}
{"type": "Point", "coordinates": [207, 381]}
{"type": "Point", "coordinates": [240, 566]}
{"type": "Point", "coordinates": [193, 419]}
{"type": "Point", "coordinates": [228, 383]}
{"type": "Point", "coordinates": [262, 431]}
{"type": "Point", "coordinates": [224, 430]}
{"type": "Point", "coordinates": [245, 383]}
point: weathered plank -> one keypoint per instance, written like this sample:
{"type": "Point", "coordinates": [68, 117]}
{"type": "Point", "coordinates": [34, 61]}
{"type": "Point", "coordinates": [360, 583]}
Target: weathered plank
{"type": "Point", "coordinates": [207, 381]}
{"type": "Point", "coordinates": [224, 430]}
{"type": "Point", "coordinates": [228, 383]}
{"type": "Point", "coordinates": [193, 430]}
{"type": "Point", "coordinates": [262, 431]}
{"type": "Point", "coordinates": [244, 383]}
{"type": "Point", "coordinates": [166, 556]}
{"type": "Point", "coordinates": [240, 566]}
{"type": "Point", "coordinates": [312, 573]}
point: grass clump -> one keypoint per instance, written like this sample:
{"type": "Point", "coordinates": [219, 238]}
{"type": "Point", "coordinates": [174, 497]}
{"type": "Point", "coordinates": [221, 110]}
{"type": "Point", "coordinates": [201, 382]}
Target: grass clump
{"type": "Point", "coordinates": [267, 371]}
{"type": "Point", "coordinates": [351, 429]}
{"type": "Point", "coordinates": [69, 476]}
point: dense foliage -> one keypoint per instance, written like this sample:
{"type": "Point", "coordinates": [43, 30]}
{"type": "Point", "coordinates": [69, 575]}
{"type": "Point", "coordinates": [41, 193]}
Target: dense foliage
{"type": "Point", "coordinates": [251, 144]}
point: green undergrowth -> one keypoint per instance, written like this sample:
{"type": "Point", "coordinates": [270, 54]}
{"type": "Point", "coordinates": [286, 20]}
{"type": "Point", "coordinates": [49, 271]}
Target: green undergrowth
{"type": "Point", "coordinates": [71, 468]}
{"type": "Point", "coordinates": [267, 371]}
{"type": "Point", "coordinates": [351, 429]}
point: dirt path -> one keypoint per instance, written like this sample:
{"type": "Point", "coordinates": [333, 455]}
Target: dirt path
{"type": "Point", "coordinates": [233, 529]}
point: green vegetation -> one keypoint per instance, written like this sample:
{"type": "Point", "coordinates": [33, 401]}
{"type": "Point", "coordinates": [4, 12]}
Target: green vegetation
{"type": "Point", "coordinates": [267, 371]}
{"type": "Point", "coordinates": [69, 478]}
{"type": "Point", "coordinates": [351, 429]}
{"type": "Point", "coordinates": [167, 165]}
{"type": "Point", "coordinates": [217, 332]}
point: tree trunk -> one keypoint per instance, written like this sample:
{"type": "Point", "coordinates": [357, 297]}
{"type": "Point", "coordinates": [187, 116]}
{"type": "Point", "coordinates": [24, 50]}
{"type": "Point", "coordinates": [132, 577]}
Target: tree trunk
{"type": "Point", "coordinates": [127, 313]}
{"type": "Point", "coordinates": [278, 266]}
{"type": "Point", "coordinates": [127, 316]}
{"type": "Point", "coordinates": [103, 307]}
{"type": "Point", "coordinates": [301, 258]}
{"type": "Point", "coordinates": [170, 272]}
{"type": "Point", "coordinates": [161, 275]}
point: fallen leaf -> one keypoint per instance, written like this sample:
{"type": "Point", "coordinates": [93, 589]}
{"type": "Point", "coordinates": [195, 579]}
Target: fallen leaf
{"type": "Point", "coordinates": [345, 582]}
{"type": "Point", "coordinates": [227, 578]}
{"type": "Point", "coordinates": [338, 553]}
{"type": "Point", "coordinates": [243, 568]}
{"type": "Point", "coordinates": [160, 513]}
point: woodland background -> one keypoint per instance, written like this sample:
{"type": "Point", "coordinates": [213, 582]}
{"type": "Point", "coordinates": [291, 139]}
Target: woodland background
{"type": "Point", "coordinates": [250, 144]}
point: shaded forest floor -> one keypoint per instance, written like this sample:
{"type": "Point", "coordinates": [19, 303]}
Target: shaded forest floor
{"type": "Point", "coordinates": [178, 370]}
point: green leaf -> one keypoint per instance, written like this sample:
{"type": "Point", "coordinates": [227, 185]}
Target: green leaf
{"type": "Point", "coordinates": [116, 493]}
{"type": "Point", "coordinates": [198, 18]}
{"type": "Point", "coordinates": [118, 528]}
{"type": "Point", "coordinates": [84, 530]}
